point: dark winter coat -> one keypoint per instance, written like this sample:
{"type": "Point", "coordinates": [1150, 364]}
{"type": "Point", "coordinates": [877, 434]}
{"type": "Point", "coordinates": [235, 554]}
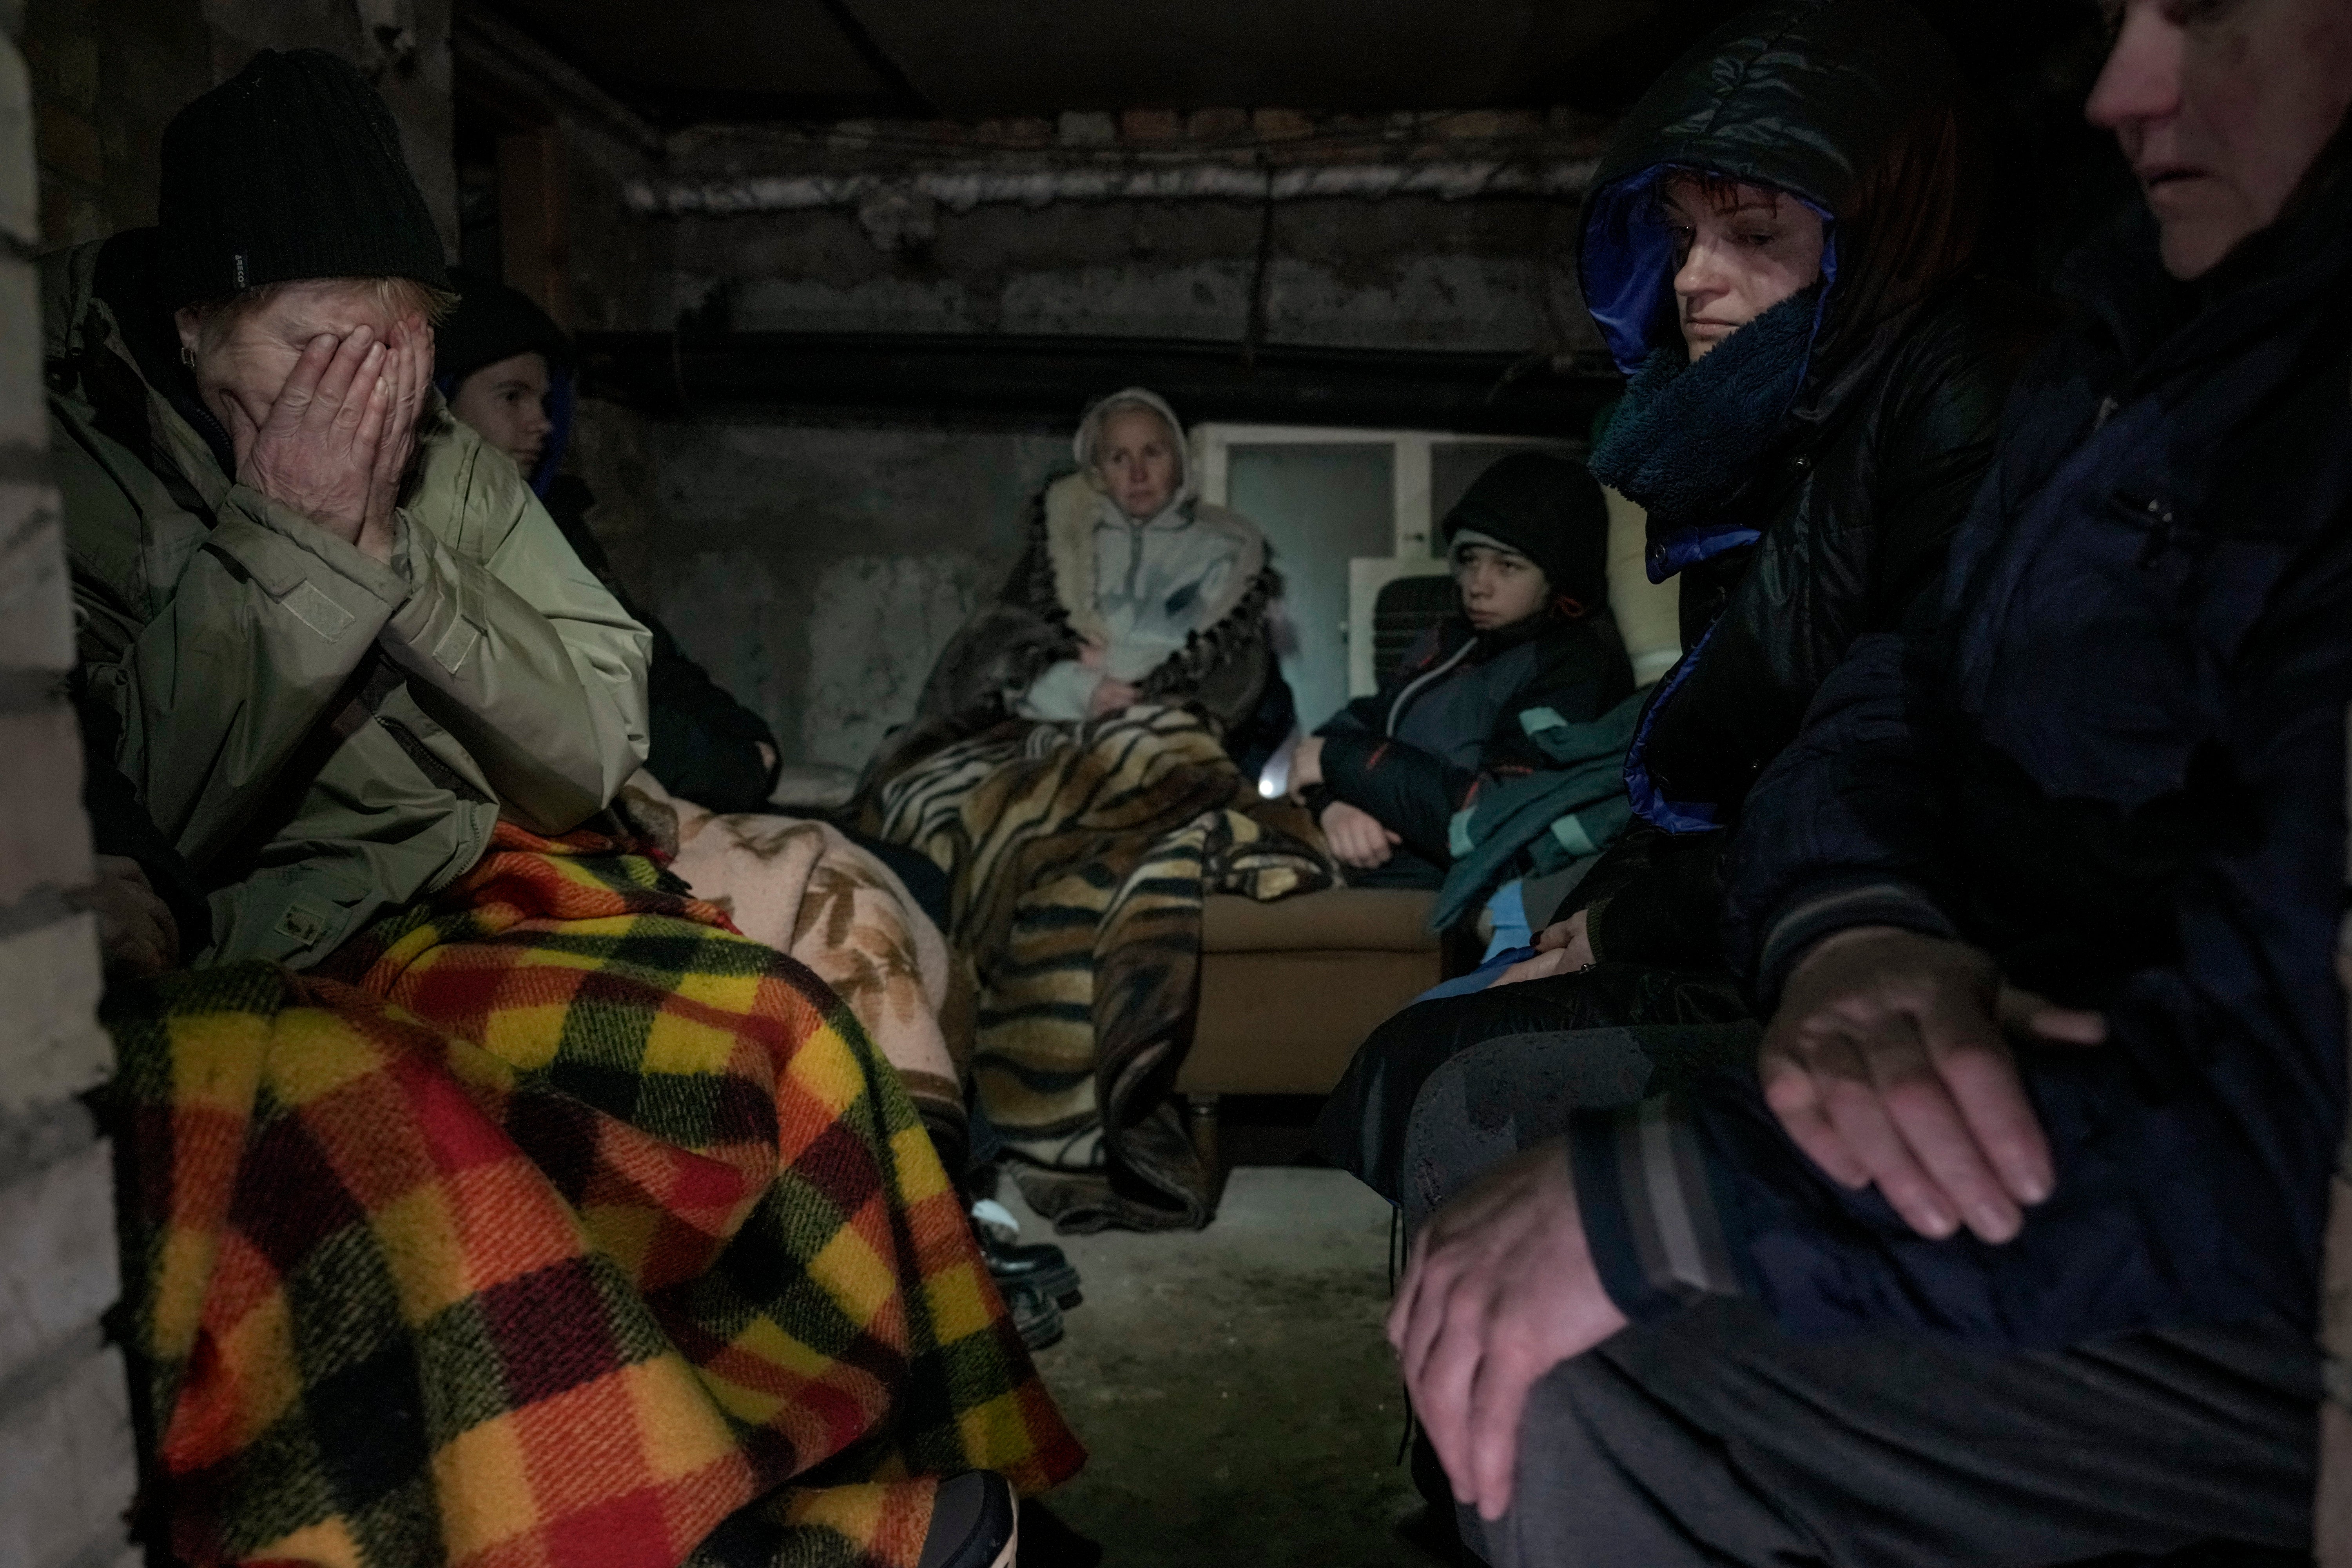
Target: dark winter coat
{"type": "Point", "coordinates": [706, 745]}
{"type": "Point", "coordinates": [2113, 755]}
{"type": "Point", "coordinates": [1412, 754]}
{"type": "Point", "coordinates": [1843, 519]}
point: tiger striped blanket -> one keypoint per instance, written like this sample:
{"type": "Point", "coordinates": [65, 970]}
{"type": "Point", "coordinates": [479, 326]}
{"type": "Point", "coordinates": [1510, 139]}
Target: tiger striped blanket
{"type": "Point", "coordinates": [564, 1226]}
{"type": "Point", "coordinates": [1078, 855]}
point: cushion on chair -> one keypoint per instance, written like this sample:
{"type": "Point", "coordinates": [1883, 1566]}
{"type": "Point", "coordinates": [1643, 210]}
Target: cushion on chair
{"type": "Point", "coordinates": [1338, 920]}
{"type": "Point", "coordinates": [1289, 989]}
{"type": "Point", "coordinates": [1289, 1023]}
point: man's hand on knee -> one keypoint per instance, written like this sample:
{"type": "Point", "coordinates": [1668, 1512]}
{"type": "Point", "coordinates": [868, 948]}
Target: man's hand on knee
{"type": "Point", "coordinates": [1889, 1062]}
{"type": "Point", "coordinates": [1500, 1289]}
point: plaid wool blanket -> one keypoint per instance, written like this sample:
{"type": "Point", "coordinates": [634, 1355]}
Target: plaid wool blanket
{"type": "Point", "coordinates": [563, 1227]}
{"type": "Point", "coordinates": [1078, 858]}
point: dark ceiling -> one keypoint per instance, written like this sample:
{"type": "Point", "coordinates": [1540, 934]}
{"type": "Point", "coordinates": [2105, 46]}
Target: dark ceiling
{"type": "Point", "coordinates": [690, 61]}
{"type": "Point", "coordinates": [976, 59]}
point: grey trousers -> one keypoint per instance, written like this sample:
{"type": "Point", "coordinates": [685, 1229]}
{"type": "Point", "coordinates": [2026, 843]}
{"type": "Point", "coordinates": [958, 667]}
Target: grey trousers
{"type": "Point", "coordinates": [1715, 1438]}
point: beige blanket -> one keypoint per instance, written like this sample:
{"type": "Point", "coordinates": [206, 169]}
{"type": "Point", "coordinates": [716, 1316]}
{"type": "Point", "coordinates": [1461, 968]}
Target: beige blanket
{"type": "Point", "coordinates": [806, 890]}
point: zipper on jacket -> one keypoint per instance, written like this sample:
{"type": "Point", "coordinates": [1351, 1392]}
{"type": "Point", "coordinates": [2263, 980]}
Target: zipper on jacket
{"type": "Point", "coordinates": [1396, 709]}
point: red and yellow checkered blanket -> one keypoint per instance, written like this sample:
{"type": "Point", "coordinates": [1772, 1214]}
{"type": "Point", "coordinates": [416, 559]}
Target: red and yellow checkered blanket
{"type": "Point", "coordinates": [563, 1227]}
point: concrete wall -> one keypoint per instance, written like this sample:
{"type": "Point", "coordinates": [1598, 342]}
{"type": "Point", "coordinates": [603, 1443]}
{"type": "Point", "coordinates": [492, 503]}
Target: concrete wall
{"type": "Point", "coordinates": [1400, 272]}
{"type": "Point", "coordinates": [67, 1472]}
{"type": "Point", "coordinates": [104, 94]}
{"type": "Point", "coordinates": [1482, 273]}
{"type": "Point", "coordinates": [815, 570]}
{"type": "Point", "coordinates": [109, 74]}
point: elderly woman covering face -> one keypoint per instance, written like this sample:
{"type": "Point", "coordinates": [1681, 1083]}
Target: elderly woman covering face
{"type": "Point", "coordinates": [454, 1056]}
{"type": "Point", "coordinates": [1083, 765]}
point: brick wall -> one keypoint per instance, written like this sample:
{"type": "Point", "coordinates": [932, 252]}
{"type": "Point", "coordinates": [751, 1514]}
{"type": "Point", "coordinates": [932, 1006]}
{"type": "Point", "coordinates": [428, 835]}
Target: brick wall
{"type": "Point", "coordinates": [66, 1465]}
{"type": "Point", "coordinates": [102, 96]}
{"type": "Point", "coordinates": [107, 75]}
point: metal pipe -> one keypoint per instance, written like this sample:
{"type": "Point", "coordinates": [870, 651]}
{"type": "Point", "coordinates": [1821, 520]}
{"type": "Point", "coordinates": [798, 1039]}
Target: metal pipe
{"type": "Point", "coordinates": [963, 190]}
{"type": "Point", "coordinates": [1048, 380]}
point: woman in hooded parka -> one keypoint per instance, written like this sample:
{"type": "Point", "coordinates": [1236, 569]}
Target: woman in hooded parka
{"type": "Point", "coordinates": [1779, 250]}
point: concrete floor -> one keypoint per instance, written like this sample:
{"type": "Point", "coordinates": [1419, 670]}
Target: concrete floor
{"type": "Point", "coordinates": [1232, 1386]}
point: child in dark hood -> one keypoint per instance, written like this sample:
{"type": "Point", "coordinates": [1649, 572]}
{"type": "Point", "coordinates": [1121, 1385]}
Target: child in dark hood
{"type": "Point", "coordinates": [1386, 776]}
{"type": "Point", "coordinates": [507, 371]}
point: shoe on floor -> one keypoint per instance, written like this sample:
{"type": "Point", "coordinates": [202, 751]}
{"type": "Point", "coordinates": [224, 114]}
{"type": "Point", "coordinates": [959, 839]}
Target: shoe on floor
{"type": "Point", "coordinates": [975, 1523]}
{"type": "Point", "coordinates": [1042, 1265]}
{"type": "Point", "coordinates": [1036, 1317]}
{"type": "Point", "coordinates": [1042, 1268]}
{"type": "Point", "coordinates": [992, 1218]}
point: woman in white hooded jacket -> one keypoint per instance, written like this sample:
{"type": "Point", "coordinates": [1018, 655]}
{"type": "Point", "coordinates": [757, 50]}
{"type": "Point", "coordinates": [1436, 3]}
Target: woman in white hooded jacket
{"type": "Point", "coordinates": [1083, 766]}
{"type": "Point", "coordinates": [1130, 589]}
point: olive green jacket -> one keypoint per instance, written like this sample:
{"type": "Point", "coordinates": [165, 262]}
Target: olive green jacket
{"type": "Point", "coordinates": [325, 737]}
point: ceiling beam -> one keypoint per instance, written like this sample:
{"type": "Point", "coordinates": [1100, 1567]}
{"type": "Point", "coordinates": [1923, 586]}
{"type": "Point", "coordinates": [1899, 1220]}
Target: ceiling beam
{"type": "Point", "coordinates": [914, 105]}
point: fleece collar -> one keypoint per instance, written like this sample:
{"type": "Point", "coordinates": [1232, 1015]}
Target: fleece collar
{"type": "Point", "coordinates": [1073, 506]}
{"type": "Point", "coordinates": [1687, 435]}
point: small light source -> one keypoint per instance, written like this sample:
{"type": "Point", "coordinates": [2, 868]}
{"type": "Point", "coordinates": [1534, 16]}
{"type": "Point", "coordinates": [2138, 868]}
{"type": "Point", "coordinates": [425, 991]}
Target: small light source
{"type": "Point", "coordinates": [1274, 779]}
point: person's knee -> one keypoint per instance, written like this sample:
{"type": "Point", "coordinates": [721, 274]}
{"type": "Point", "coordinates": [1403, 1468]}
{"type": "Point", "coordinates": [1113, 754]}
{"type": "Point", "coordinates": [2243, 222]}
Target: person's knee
{"type": "Point", "coordinates": [1562, 1463]}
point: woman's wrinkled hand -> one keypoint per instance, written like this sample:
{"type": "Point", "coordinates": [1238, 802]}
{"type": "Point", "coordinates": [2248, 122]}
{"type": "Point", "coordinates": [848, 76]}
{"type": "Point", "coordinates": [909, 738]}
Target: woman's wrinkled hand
{"type": "Point", "coordinates": [334, 444]}
{"type": "Point", "coordinates": [1500, 1288]}
{"type": "Point", "coordinates": [137, 936]}
{"type": "Point", "coordinates": [1112, 697]}
{"type": "Point", "coordinates": [407, 372]}
{"type": "Point", "coordinates": [1357, 837]}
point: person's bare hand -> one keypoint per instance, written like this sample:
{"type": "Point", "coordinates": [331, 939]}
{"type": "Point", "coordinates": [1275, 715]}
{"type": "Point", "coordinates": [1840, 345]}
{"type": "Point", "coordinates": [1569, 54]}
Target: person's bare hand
{"type": "Point", "coordinates": [1889, 1062]}
{"type": "Point", "coordinates": [1112, 697]}
{"type": "Point", "coordinates": [136, 933]}
{"type": "Point", "coordinates": [314, 449]}
{"type": "Point", "coordinates": [407, 371]}
{"type": "Point", "coordinates": [1500, 1289]}
{"type": "Point", "coordinates": [1306, 766]}
{"type": "Point", "coordinates": [1357, 837]}
{"type": "Point", "coordinates": [1572, 936]}
{"type": "Point", "coordinates": [1561, 948]}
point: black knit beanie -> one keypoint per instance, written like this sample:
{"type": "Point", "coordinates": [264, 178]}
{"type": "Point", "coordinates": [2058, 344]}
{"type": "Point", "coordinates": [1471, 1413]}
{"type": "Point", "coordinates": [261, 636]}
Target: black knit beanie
{"type": "Point", "coordinates": [1550, 511]}
{"type": "Point", "coordinates": [290, 169]}
{"type": "Point", "coordinates": [491, 323]}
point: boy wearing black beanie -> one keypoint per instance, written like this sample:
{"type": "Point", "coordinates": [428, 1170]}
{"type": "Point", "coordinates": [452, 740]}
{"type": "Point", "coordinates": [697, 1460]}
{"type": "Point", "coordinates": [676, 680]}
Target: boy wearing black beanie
{"type": "Point", "coordinates": [1388, 774]}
